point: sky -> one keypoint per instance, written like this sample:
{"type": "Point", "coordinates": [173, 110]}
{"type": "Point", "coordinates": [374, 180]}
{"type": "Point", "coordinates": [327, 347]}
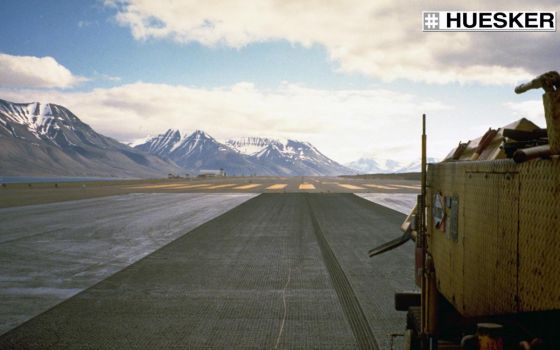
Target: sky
{"type": "Point", "coordinates": [351, 77]}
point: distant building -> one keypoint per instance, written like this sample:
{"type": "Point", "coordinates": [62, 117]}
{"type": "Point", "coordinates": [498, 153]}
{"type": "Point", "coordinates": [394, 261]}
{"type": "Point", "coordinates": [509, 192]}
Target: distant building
{"type": "Point", "coordinates": [211, 173]}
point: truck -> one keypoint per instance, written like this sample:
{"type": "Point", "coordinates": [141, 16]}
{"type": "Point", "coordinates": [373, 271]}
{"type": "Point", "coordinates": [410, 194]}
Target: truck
{"type": "Point", "coordinates": [486, 232]}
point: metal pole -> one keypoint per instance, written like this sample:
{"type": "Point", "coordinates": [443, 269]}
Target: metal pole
{"type": "Point", "coordinates": [423, 160]}
{"type": "Point", "coordinates": [422, 239]}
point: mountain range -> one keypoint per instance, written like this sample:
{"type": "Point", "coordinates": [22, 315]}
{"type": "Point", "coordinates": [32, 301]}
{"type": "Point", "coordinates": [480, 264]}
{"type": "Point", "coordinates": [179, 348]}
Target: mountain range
{"type": "Point", "coordinates": [49, 140]}
{"type": "Point", "coordinates": [242, 156]}
{"type": "Point", "coordinates": [375, 166]}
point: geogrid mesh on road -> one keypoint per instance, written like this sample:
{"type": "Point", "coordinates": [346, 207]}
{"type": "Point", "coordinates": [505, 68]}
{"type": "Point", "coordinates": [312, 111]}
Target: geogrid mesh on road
{"type": "Point", "coordinates": [254, 277]}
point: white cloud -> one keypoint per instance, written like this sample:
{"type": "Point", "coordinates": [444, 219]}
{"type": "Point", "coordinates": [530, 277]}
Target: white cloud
{"type": "Point", "coordinates": [531, 109]}
{"type": "Point", "coordinates": [105, 77]}
{"type": "Point", "coordinates": [382, 39]}
{"type": "Point", "coordinates": [342, 123]}
{"type": "Point", "coordinates": [35, 72]}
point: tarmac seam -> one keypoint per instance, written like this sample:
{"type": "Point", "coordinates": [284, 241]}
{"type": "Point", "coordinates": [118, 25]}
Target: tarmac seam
{"type": "Point", "coordinates": [348, 300]}
{"type": "Point", "coordinates": [285, 308]}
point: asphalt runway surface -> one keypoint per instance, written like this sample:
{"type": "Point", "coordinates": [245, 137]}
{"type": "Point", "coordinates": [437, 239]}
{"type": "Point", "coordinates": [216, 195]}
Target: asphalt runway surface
{"type": "Point", "coordinates": [286, 270]}
{"type": "Point", "coordinates": [52, 251]}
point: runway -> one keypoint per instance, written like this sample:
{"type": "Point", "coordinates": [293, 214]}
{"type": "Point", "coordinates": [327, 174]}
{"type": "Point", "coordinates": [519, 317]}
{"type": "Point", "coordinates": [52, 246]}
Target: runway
{"type": "Point", "coordinates": [26, 194]}
{"type": "Point", "coordinates": [280, 270]}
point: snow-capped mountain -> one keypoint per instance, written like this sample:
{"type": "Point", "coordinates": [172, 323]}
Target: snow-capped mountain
{"type": "Point", "coordinates": [415, 166]}
{"type": "Point", "coordinates": [250, 145]}
{"type": "Point", "coordinates": [248, 155]}
{"type": "Point", "coordinates": [48, 139]}
{"type": "Point", "coordinates": [288, 156]}
{"type": "Point", "coordinates": [366, 166]}
{"type": "Point", "coordinates": [45, 122]}
{"type": "Point", "coordinates": [257, 146]}
{"type": "Point", "coordinates": [373, 166]}
{"type": "Point", "coordinates": [197, 145]}
{"type": "Point", "coordinates": [199, 151]}
{"type": "Point", "coordinates": [162, 144]}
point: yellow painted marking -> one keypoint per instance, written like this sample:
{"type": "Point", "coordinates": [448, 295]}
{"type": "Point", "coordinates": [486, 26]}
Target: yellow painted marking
{"type": "Point", "coordinates": [415, 187]}
{"type": "Point", "coordinates": [351, 187]}
{"type": "Point", "coordinates": [181, 187]}
{"type": "Point", "coordinates": [154, 186]}
{"type": "Point", "coordinates": [306, 186]}
{"type": "Point", "coordinates": [246, 187]}
{"type": "Point", "coordinates": [277, 187]}
{"type": "Point", "coordinates": [219, 186]}
{"type": "Point", "coordinates": [380, 187]}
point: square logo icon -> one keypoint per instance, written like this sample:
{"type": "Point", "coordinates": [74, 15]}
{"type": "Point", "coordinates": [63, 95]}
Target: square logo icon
{"type": "Point", "coordinates": [430, 21]}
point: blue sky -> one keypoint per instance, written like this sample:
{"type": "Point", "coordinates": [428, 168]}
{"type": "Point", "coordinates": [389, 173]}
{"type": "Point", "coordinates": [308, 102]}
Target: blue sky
{"type": "Point", "coordinates": [307, 70]}
{"type": "Point", "coordinates": [85, 38]}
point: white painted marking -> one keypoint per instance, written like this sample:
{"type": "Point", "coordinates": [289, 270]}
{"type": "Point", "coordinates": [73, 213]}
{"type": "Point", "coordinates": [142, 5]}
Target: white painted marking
{"type": "Point", "coordinates": [219, 186]}
{"type": "Point", "coordinates": [401, 202]}
{"type": "Point", "coordinates": [380, 187]}
{"type": "Point", "coordinates": [351, 187]}
{"type": "Point", "coordinates": [277, 187]}
{"type": "Point", "coordinates": [246, 187]}
{"type": "Point", "coordinates": [414, 187]}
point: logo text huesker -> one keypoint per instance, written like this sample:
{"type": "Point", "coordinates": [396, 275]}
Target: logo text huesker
{"type": "Point", "coordinates": [500, 21]}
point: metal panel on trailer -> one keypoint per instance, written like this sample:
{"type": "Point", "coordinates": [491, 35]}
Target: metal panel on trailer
{"type": "Point", "coordinates": [506, 255]}
{"type": "Point", "coordinates": [539, 236]}
{"type": "Point", "coordinates": [490, 243]}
